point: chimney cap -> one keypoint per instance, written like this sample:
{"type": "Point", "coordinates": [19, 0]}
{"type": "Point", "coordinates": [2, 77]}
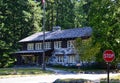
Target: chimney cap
{"type": "Point", "coordinates": [56, 28]}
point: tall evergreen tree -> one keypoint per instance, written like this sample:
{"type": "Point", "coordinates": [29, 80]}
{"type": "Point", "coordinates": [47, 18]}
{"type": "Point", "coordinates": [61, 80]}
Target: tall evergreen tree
{"type": "Point", "coordinates": [59, 13]}
{"type": "Point", "coordinates": [80, 19]}
{"type": "Point", "coordinates": [104, 17]}
{"type": "Point", "coordinates": [18, 20]}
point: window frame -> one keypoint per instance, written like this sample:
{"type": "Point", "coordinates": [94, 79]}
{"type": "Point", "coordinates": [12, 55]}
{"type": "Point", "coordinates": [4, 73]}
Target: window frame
{"type": "Point", "coordinates": [57, 44]}
{"type": "Point", "coordinates": [38, 46]}
{"type": "Point", "coordinates": [47, 45]}
{"type": "Point", "coordinates": [30, 46]}
{"type": "Point", "coordinates": [60, 59]}
{"type": "Point", "coordinates": [70, 44]}
{"type": "Point", "coordinates": [71, 59]}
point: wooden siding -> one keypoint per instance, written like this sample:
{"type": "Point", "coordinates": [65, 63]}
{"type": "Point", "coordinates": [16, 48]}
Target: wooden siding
{"type": "Point", "coordinates": [64, 44]}
{"type": "Point", "coordinates": [24, 46]}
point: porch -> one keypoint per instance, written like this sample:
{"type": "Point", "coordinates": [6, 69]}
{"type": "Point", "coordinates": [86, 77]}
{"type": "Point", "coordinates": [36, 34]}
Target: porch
{"type": "Point", "coordinates": [31, 58]}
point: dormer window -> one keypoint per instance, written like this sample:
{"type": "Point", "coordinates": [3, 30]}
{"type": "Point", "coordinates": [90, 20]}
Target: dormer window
{"type": "Point", "coordinates": [38, 46]}
{"type": "Point", "coordinates": [70, 44]}
{"type": "Point", "coordinates": [30, 46]}
{"type": "Point", "coordinates": [57, 44]}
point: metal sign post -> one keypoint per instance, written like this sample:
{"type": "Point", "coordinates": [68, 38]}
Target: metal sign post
{"type": "Point", "coordinates": [108, 56]}
{"type": "Point", "coordinates": [108, 69]}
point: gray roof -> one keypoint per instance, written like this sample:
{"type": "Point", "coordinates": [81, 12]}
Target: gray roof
{"type": "Point", "coordinates": [60, 34]}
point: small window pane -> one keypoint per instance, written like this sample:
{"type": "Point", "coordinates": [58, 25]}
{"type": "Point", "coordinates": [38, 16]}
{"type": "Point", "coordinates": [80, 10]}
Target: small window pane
{"type": "Point", "coordinates": [47, 45]}
{"type": "Point", "coordinates": [30, 46]}
{"type": "Point", "coordinates": [38, 46]}
{"type": "Point", "coordinates": [57, 44]}
{"type": "Point", "coordinates": [70, 44]}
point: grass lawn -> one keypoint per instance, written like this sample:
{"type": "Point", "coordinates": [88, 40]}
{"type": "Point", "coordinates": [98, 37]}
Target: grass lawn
{"type": "Point", "coordinates": [91, 70]}
{"type": "Point", "coordinates": [9, 72]}
{"type": "Point", "coordinates": [115, 79]}
{"type": "Point", "coordinates": [80, 70]}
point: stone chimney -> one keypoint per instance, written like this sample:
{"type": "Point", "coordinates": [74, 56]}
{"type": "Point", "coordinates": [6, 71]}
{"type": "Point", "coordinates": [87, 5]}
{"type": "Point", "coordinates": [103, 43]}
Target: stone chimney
{"type": "Point", "coordinates": [56, 28]}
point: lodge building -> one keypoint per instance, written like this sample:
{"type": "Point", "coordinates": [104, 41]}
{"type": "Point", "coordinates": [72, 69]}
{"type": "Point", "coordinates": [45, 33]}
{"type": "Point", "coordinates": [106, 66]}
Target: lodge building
{"type": "Point", "coordinates": [59, 47]}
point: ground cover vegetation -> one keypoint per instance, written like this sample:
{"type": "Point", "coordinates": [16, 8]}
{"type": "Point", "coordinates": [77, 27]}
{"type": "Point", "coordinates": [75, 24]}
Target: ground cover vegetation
{"type": "Point", "coordinates": [8, 72]}
{"type": "Point", "coordinates": [85, 69]}
{"type": "Point", "coordinates": [19, 19]}
{"type": "Point", "coordinates": [115, 79]}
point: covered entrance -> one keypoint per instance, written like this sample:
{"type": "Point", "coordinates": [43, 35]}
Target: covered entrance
{"type": "Point", "coordinates": [30, 59]}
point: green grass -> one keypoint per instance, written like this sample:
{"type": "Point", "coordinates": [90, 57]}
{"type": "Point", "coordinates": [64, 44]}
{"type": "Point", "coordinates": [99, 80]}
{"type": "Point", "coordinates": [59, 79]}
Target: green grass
{"type": "Point", "coordinates": [78, 70]}
{"type": "Point", "coordinates": [115, 79]}
{"type": "Point", "coordinates": [84, 69]}
{"type": "Point", "coordinates": [22, 71]}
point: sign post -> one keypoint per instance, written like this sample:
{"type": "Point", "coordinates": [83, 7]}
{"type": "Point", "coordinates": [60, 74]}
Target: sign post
{"type": "Point", "coordinates": [108, 69]}
{"type": "Point", "coordinates": [108, 56]}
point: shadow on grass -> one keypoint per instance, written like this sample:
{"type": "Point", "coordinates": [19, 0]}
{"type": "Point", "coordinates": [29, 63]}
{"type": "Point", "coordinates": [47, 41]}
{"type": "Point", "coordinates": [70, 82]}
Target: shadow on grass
{"type": "Point", "coordinates": [72, 81]}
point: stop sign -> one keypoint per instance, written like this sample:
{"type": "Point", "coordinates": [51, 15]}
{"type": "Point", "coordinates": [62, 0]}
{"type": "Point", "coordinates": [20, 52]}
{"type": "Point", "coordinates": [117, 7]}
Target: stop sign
{"type": "Point", "coordinates": [108, 55]}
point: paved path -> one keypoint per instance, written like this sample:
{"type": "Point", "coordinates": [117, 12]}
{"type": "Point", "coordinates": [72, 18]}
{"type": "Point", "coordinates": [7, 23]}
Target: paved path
{"type": "Point", "coordinates": [51, 78]}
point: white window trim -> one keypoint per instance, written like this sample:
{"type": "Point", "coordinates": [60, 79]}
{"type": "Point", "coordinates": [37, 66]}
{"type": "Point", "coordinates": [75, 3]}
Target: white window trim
{"type": "Point", "coordinates": [70, 44]}
{"type": "Point", "coordinates": [47, 45]}
{"type": "Point", "coordinates": [38, 46]}
{"type": "Point", "coordinates": [57, 44]}
{"type": "Point", "coordinates": [30, 46]}
{"type": "Point", "coordinates": [71, 59]}
{"type": "Point", "coordinates": [60, 59]}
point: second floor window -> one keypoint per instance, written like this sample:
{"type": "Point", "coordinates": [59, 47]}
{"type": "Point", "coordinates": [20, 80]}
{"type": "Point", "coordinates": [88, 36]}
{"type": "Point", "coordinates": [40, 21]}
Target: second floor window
{"type": "Point", "coordinates": [30, 46]}
{"type": "Point", "coordinates": [38, 46]}
{"type": "Point", "coordinates": [57, 44]}
{"type": "Point", "coordinates": [70, 44]}
{"type": "Point", "coordinates": [47, 45]}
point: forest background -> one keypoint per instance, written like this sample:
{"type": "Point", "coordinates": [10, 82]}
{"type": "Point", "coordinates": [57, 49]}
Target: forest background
{"type": "Point", "coordinates": [21, 18]}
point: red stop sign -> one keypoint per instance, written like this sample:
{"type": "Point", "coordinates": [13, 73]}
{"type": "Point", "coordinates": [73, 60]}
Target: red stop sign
{"type": "Point", "coordinates": [108, 55]}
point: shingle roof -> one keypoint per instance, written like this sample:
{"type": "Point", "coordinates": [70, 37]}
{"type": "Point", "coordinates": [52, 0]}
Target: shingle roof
{"type": "Point", "coordinates": [61, 34]}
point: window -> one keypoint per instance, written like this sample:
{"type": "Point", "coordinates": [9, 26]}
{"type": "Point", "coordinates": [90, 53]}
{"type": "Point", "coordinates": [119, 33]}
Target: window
{"type": "Point", "coordinates": [47, 45]}
{"type": "Point", "coordinates": [57, 44]}
{"type": "Point", "coordinates": [60, 59]}
{"type": "Point", "coordinates": [70, 44]}
{"type": "Point", "coordinates": [30, 46]}
{"type": "Point", "coordinates": [38, 46]}
{"type": "Point", "coordinates": [71, 59]}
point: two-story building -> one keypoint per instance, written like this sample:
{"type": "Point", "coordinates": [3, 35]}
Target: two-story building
{"type": "Point", "coordinates": [59, 48]}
